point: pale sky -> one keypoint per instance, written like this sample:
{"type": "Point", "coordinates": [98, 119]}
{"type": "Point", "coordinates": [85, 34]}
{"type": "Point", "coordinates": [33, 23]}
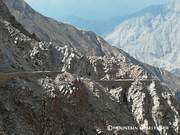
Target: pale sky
{"type": "Point", "coordinates": [90, 9]}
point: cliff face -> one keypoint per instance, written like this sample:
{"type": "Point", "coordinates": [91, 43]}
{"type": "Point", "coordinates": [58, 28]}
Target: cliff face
{"type": "Point", "coordinates": [47, 89]}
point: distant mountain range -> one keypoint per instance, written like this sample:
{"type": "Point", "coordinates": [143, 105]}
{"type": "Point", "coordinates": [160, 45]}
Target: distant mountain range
{"type": "Point", "coordinates": [153, 37]}
{"type": "Point", "coordinates": [103, 27]}
{"type": "Point", "coordinates": [150, 35]}
{"type": "Point", "coordinates": [100, 27]}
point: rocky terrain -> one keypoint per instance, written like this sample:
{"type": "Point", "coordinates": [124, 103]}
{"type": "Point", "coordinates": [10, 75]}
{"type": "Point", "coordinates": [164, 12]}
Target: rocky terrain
{"type": "Point", "coordinates": [48, 89]}
{"type": "Point", "coordinates": [87, 43]}
{"type": "Point", "coordinates": [152, 37]}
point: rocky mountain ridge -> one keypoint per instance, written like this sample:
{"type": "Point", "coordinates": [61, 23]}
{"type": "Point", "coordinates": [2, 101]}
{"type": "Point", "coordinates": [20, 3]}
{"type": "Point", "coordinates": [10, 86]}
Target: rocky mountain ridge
{"type": "Point", "coordinates": [149, 35]}
{"type": "Point", "coordinates": [51, 101]}
{"type": "Point", "coordinates": [84, 42]}
{"type": "Point", "coordinates": [59, 33]}
{"type": "Point", "coordinates": [162, 75]}
{"type": "Point", "coordinates": [151, 38]}
{"type": "Point", "coordinates": [86, 96]}
{"type": "Point", "coordinates": [104, 27]}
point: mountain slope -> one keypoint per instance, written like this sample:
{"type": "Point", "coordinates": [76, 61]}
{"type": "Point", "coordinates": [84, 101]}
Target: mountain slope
{"type": "Point", "coordinates": [53, 103]}
{"type": "Point", "coordinates": [47, 89]}
{"type": "Point", "coordinates": [59, 33]}
{"type": "Point", "coordinates": [152, 38]}
{"type": "Point", "coordinates": [85, 42]}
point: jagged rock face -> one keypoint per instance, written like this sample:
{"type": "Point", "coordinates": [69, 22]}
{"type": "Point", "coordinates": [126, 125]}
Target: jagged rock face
{"type": "Point", "coordinates": [87, 98]}
{"type": "Point", "coordinates": [85, 42]}
{"type": "Point", "coordinates": [151, 37]}
{"type": "Point", "coordinates": [64, 104]}
{"type": "Point", "coordinates": [78, 101]}
{"type": "Point", "coordinates": [148, 101]}
{"type": "Point", "coordinates": [96, 68]}
{"type": "Point", "coordinates": [59, 104]}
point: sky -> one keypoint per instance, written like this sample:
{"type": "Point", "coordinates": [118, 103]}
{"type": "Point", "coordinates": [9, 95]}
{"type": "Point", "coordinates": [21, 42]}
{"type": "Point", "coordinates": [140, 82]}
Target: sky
{"type": "Point", "coordinates": [90, 9]}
